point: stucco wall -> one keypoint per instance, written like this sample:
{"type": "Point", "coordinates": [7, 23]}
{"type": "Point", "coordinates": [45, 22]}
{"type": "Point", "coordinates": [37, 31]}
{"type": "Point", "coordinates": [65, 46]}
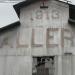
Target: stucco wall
{"type": "Point", "coordinates": [19, 45]}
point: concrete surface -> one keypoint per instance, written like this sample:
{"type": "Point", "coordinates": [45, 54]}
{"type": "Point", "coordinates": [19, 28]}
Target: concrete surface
{"type": "Point", "coordinates": [19, 45]}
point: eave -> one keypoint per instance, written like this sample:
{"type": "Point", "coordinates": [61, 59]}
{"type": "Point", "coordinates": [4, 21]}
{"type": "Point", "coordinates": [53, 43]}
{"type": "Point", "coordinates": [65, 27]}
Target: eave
{"type": "Point", "coordinates": [15, 9]}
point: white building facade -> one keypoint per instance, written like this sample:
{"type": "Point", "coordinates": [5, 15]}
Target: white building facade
{"type": "Point", "coordinates": [43, 33]}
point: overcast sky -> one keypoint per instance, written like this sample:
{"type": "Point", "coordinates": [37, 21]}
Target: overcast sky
{"type": "Point", "coordinates": [72, 1]}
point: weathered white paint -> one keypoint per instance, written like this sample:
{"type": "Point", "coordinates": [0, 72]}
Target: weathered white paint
{"type": "Point", "coordinates": [17, 60]}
